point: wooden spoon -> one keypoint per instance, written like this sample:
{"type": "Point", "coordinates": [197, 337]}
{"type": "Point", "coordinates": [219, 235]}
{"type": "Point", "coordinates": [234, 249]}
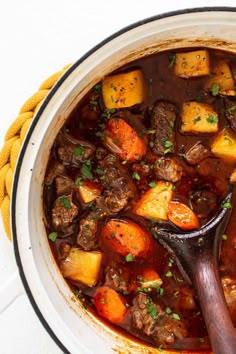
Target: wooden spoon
{"type": "Point", "coordinates": [197, 253]}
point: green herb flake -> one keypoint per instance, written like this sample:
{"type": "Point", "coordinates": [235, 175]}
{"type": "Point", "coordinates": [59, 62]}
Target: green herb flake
{"type": "Point", "coordinates": [79, 181]}
{"type": "Point", "coordinates": [151, 131]}
{"type": "Point", "coordinates": [129, 257]}
{"type": "Point", "coordinates": [169, 274]}
{"type": "Point", "coordinates": [152, 184]}
{"type": "Point", "coordinates": [176, 316]}
{"type": "Point", "coordinates": [151, 144]}
{"type": "Point", "coordinates": [97, 89]}
{"type": "Point", "coordinates": [226, 205]}
{"type": "Point", "coordinates": [141, 133]}
{"type": "Point", "coordinates": [195, 120]}
{"type": "Point", "coordinates": [168, 310]}
{"type": "Point", "coordinates": [201, 340]}
{"type": "Point", "coordinates": [79, 150]}
{"type": "Point", "coordinates": [160, 348]}
{"type": "Point", "coordinates": [52, 236]}
{"type": "Point", "coordinates": [172, 60]}
{"type": "Point", "coordinates": [215, 88]}
{"type": "Point", "coordinates": [136, 176]}
{"type": "Point", "coordinates": [152, 310]}
{"type": "Point", "coordinates": [65, 202]}
{"type": "Point", "coordinates": [86, 171]}
{"type": "Point", "coordinates": [224, 237]}
{"type": "Point", "coordinates": [212, 119]}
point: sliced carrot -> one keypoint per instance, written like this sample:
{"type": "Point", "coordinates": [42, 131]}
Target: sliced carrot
{"type": "Point", "coordinates": [125, 238]}
{"type": "Point", "coordinates": [145, 278]}
{"type": "Point", "coordinates": [109, 304]}
{"type": "Point", "coordinates": [182, 216]}
{"type": "Point", "coordinates": [124, 141]}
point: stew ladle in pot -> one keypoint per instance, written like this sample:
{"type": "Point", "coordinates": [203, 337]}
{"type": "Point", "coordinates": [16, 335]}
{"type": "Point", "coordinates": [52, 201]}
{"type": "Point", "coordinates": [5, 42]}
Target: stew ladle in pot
{"type": "Point", "coordinates": [197, 253]}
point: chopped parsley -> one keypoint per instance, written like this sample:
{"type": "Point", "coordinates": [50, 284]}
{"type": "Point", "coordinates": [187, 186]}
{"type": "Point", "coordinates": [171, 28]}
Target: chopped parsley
{"type": "Point", "coordinates": [136, 176]}
{"type": "Point", "coordinates": [169, 274]}
{"type": "Point", "coordinates": [129, 257]}
{"type": "Point", "coordinates": [152, 184]}
{"type": "Point", "coordinates": [226, 205]}
{"type": "Point", "coordinates": [86, 171]}
{"type": "Point", "coordinates": [168, 145]}
{"type": "Point", "coordinates": [215, 88]}
{"type": "Point", "coordinates": [79, 181]}
{"type": "Point", "coordinates": [168, 310]}
{"type": "Point", "coordinates": [172, 60]}
{"type": "Point", "coordinates": [79, 150]}
{"type": "Point", "coordinates": [176, 316]}
{"type": "Point", "coordinates": [52, 236]}
{"type": "Point", "coordinates": [65, 202]}
{"type": "Point", "coordinates": [224, 237]}
{"type": "Point", "coordinates": [195, 120]}
{"type": "Point", "coordinates": [212, 119]}
{"type": "Point", "coordinates": [97, 89]}
{"type": "Point", "coordinates": [152, 310]}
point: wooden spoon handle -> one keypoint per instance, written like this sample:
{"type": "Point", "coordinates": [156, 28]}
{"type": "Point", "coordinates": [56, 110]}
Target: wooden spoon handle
{"type": "Point", "coordinates": [211, 297]}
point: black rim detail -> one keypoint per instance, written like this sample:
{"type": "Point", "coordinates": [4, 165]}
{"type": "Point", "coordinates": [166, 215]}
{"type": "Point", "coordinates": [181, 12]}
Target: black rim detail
{"type": "Point", "coordinates": [34, 123]}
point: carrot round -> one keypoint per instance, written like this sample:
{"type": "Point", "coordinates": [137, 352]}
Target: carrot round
{"type": "Point", "coordinates": [124, 141]}
{"type": "Point", "coordinates": [125, 238]}
{"type": "Point", "coordinates": [182, 216]}
{"type": "Point", "coordinates": [109, 304]}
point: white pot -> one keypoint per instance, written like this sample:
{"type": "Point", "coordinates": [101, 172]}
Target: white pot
{"type": "Point", "coordinates": [75, 330]}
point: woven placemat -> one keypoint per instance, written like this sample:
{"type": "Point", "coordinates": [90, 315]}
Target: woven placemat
{"type": "Point", "coordinates": [13, 140]}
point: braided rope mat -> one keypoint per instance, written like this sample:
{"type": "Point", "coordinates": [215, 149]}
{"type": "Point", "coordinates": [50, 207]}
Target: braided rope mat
{"type": "Point", "coordinates": [13, 140]}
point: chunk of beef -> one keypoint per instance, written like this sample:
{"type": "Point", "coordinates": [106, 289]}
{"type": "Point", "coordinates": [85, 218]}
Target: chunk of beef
{"type": "Point", "coordinates": [73, 152]}
{"type": "Point", "coordinates": [117, 277]}
{"type": "Point", "coordinates": [119, 187]}
{"type": "Point", "coordinates": [87, 236]}
{"type": "Point", "coordinates": [230, 112]}
{"type": "Point", "coordinates": [197, 153]}
{"type": "Point", "coordinates": [229, 288]}
{"type": "Point", "coordinates": [63, 185]}
{"type": "Point", "coordinates": [63, 212]}
{"type": "Point", "coordinates": [163, 118]}
{"type": "Point", "coordinates": [203, 202]}
{"type": "Point", "coordinates": [56, 169]}
{"type": "Point", "coordinates": [153, 321]}
{"type": "Point", "coordinates": [168, 169]}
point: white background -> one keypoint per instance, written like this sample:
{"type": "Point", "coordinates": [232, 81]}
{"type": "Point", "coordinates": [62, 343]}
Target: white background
{"type": "Point", "coordinates": [37, 38]}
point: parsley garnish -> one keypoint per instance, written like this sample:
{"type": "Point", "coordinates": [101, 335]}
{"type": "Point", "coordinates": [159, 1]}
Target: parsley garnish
{"type": "Point", "coordinates": [86, 171]}
{"type": "Point", "coordinates": [215, 88]}
{"type": "Point", "coordinates": [152, 184]}
{"type": "Point", "coordinates": [226, 205]}
{"type": "Point", "coordinates": [152, 310]}
{"type": "Point", "coordinates": [79, 150]}
{"type": "Point", "coordinates": [79, 181]}
{"type": "Point", "coordinates": [196, 120]}
{"type": "Point", "coordinates": [136, 176]}
{"type": "Point", "coordinates": [129, 257]}
{"type": "Point", "coordinates": [65, 202]}
{"type": "Point", "coordinates": [176, 316]}
{"type": "Point", "coordinates": [52, 236]}
{"type": "Point", "coordinates": [212, 119]}
{"type": "Point", "coordinates": [172, 60]}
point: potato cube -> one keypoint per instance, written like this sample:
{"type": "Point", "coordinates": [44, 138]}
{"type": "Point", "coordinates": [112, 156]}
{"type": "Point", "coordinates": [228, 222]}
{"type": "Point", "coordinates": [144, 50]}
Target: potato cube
{"type": "Point", "coordinates": [154, 203]}
{"type": "Point", "coordinates": [224, 145]}
{"type": "Point", "coordinates": [89, 191]}
{"type": "Point", "coordinates": [123, 90]}
{"type": "Point", "coordinates": [199, 118]}
{"type": "Point", "coordinates": [192, 64]}
{"type": "Point", "coordinates": [221, 80]}
{"type": "Point", "coordinates": [82, 266]}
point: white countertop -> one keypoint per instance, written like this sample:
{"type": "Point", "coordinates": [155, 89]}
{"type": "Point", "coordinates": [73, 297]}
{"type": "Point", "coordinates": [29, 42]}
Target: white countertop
{"type": "Point", "coordinates": [37, 38]}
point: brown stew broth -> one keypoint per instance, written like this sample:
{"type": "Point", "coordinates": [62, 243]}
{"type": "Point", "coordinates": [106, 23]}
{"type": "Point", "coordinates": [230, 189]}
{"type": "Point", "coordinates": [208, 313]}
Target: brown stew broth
{"type": "Point", "coordinates": [209, 176]}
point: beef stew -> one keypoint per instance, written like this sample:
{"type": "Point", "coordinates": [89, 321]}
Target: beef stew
{"type": "Point", "coordinates": [152, 143]}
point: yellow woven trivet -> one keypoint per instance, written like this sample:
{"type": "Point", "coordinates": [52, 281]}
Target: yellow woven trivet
{"type": "Point", "coordinates": [13, 141]}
